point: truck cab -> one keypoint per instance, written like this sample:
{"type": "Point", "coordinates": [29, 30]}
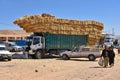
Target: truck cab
{"type": "Point", "coordinates": [109, 39]}
{"type": "Point", "coordinates": [34, 45]}
{"type": "Point", "coordinates": [34, 42]}
{"type": "Point", "coordinates": [37, 43]}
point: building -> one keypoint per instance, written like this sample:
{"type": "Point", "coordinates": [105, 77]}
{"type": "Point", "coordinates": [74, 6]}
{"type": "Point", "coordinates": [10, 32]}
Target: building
{"type": "Point", "coordinates": [8, 35]}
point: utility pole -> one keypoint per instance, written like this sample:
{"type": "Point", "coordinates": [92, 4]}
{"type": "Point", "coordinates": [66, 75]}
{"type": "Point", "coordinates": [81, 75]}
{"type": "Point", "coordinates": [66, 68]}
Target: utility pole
{"type": "Point", "coordinates": [113, 31]}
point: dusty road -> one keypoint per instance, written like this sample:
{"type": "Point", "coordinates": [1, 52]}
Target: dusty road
{"type": "Point", "coordinates": [56, 69]}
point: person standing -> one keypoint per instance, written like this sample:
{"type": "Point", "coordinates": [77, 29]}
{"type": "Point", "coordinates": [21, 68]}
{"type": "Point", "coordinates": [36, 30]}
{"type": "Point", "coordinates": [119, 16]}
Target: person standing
{"type": "Point", "coordinates": [105, 54]}
{"type": "Point", "coordinates": [111, 56]}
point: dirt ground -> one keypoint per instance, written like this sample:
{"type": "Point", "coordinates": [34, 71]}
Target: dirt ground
{"type": "Point", "coordinates": [57, 69]}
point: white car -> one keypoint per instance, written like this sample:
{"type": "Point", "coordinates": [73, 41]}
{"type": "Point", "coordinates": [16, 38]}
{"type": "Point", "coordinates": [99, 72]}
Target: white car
{"type": "Point", "coordinates": [16, 48]}
{"type": "Point", "coordinates": [91, 54]}
{"type": "Point", "coordinates": [4, 53]}
{"type": "Point", "coordinates": [11, 46]}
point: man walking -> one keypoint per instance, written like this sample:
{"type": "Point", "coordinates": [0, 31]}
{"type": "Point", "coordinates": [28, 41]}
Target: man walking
{"type": "Point", "coordinates": [111, 56]}
{"type": "Point", "coordinates": [105, 54]}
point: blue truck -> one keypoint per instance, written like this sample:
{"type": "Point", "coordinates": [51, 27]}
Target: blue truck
{"type": "Point", "coordinates": [19, 42]}
{"type": "Point", "coordinates": [38, 44]}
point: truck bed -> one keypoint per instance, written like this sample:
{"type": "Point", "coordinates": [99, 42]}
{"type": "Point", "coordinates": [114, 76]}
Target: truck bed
{"type": "Point", "coordinates": [62, 41]}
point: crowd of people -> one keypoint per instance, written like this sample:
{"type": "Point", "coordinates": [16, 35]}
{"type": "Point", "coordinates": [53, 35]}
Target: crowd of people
{"type": "Point", "coordinates": [108, 56]}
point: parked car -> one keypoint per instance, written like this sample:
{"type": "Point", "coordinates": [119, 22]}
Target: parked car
{"type": "Point", "coordinates": [89, 53]}
{"type": "Point", "coordinates": [4, 53]}
{"type": "Point", "coordinates": [11, 46]}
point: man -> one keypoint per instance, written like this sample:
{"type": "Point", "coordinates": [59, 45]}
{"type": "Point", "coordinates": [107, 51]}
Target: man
{"type": "Point", "coordinates": [111, 57]}
{"type": "Point", "coordinates": [105, 54]}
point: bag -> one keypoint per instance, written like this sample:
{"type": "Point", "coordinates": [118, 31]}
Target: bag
{"type": "Point", "coordinates": [101, 61]}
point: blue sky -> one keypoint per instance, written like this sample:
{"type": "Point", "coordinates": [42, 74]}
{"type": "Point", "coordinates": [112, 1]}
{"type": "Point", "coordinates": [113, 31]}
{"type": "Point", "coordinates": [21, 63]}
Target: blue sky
{"type": "Point", "coordinates": [105, 11]}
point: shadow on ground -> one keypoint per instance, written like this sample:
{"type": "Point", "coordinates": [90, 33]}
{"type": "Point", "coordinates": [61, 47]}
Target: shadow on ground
{"type": "Point", "coordinates": [85, 60]}
{"type": "Point", "coordinates": [22, 56]}
{"type": "Point", "coordinates": [99, 67]}
{"type": "Point", "coordinates": [19, 56]}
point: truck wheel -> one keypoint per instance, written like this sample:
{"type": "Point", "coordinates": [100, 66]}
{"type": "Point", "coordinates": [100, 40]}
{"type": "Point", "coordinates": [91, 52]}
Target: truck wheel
{"type": "Point", "coordinates": [65, 57]}
{"type": "Point", "coordinates": [91, 58]}
{"type": "Point", "coordinates": [38, 55]}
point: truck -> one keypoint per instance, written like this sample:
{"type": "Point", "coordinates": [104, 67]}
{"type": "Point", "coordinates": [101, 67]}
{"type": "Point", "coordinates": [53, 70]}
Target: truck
{"type": "Point", "coordinates": [39, 44]}
{"type": "Point", "coordinates": [109, 39]}
{"type": "Point", "coordinates": [19, 42]}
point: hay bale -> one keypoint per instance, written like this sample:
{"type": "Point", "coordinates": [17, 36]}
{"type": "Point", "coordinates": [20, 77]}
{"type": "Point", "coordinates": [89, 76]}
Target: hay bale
{"type": "Point", "coordinates": [48, 23]}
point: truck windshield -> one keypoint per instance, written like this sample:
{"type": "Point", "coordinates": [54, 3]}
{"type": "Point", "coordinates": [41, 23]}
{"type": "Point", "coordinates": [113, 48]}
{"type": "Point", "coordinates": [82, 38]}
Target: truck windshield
{"type": "Point", "coordinates": [36, 40]}
{"type": "Point", "coordinates": [108, 40]}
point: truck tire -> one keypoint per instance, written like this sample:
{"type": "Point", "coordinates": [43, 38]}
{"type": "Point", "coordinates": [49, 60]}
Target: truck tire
{"type": "Point", "coordinates": [65, 57]}
{"type": "Point", "coordinates": [91, 58]}
{"type": "Point", "coordinates": [38, 54]}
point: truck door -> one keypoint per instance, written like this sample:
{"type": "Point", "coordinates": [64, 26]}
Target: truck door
{"type": "Point", "coordinates": [36, 44]}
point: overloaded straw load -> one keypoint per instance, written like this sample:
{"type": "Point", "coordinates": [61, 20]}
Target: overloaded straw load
{"type": "Point", "coordinates": [51, 24]}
